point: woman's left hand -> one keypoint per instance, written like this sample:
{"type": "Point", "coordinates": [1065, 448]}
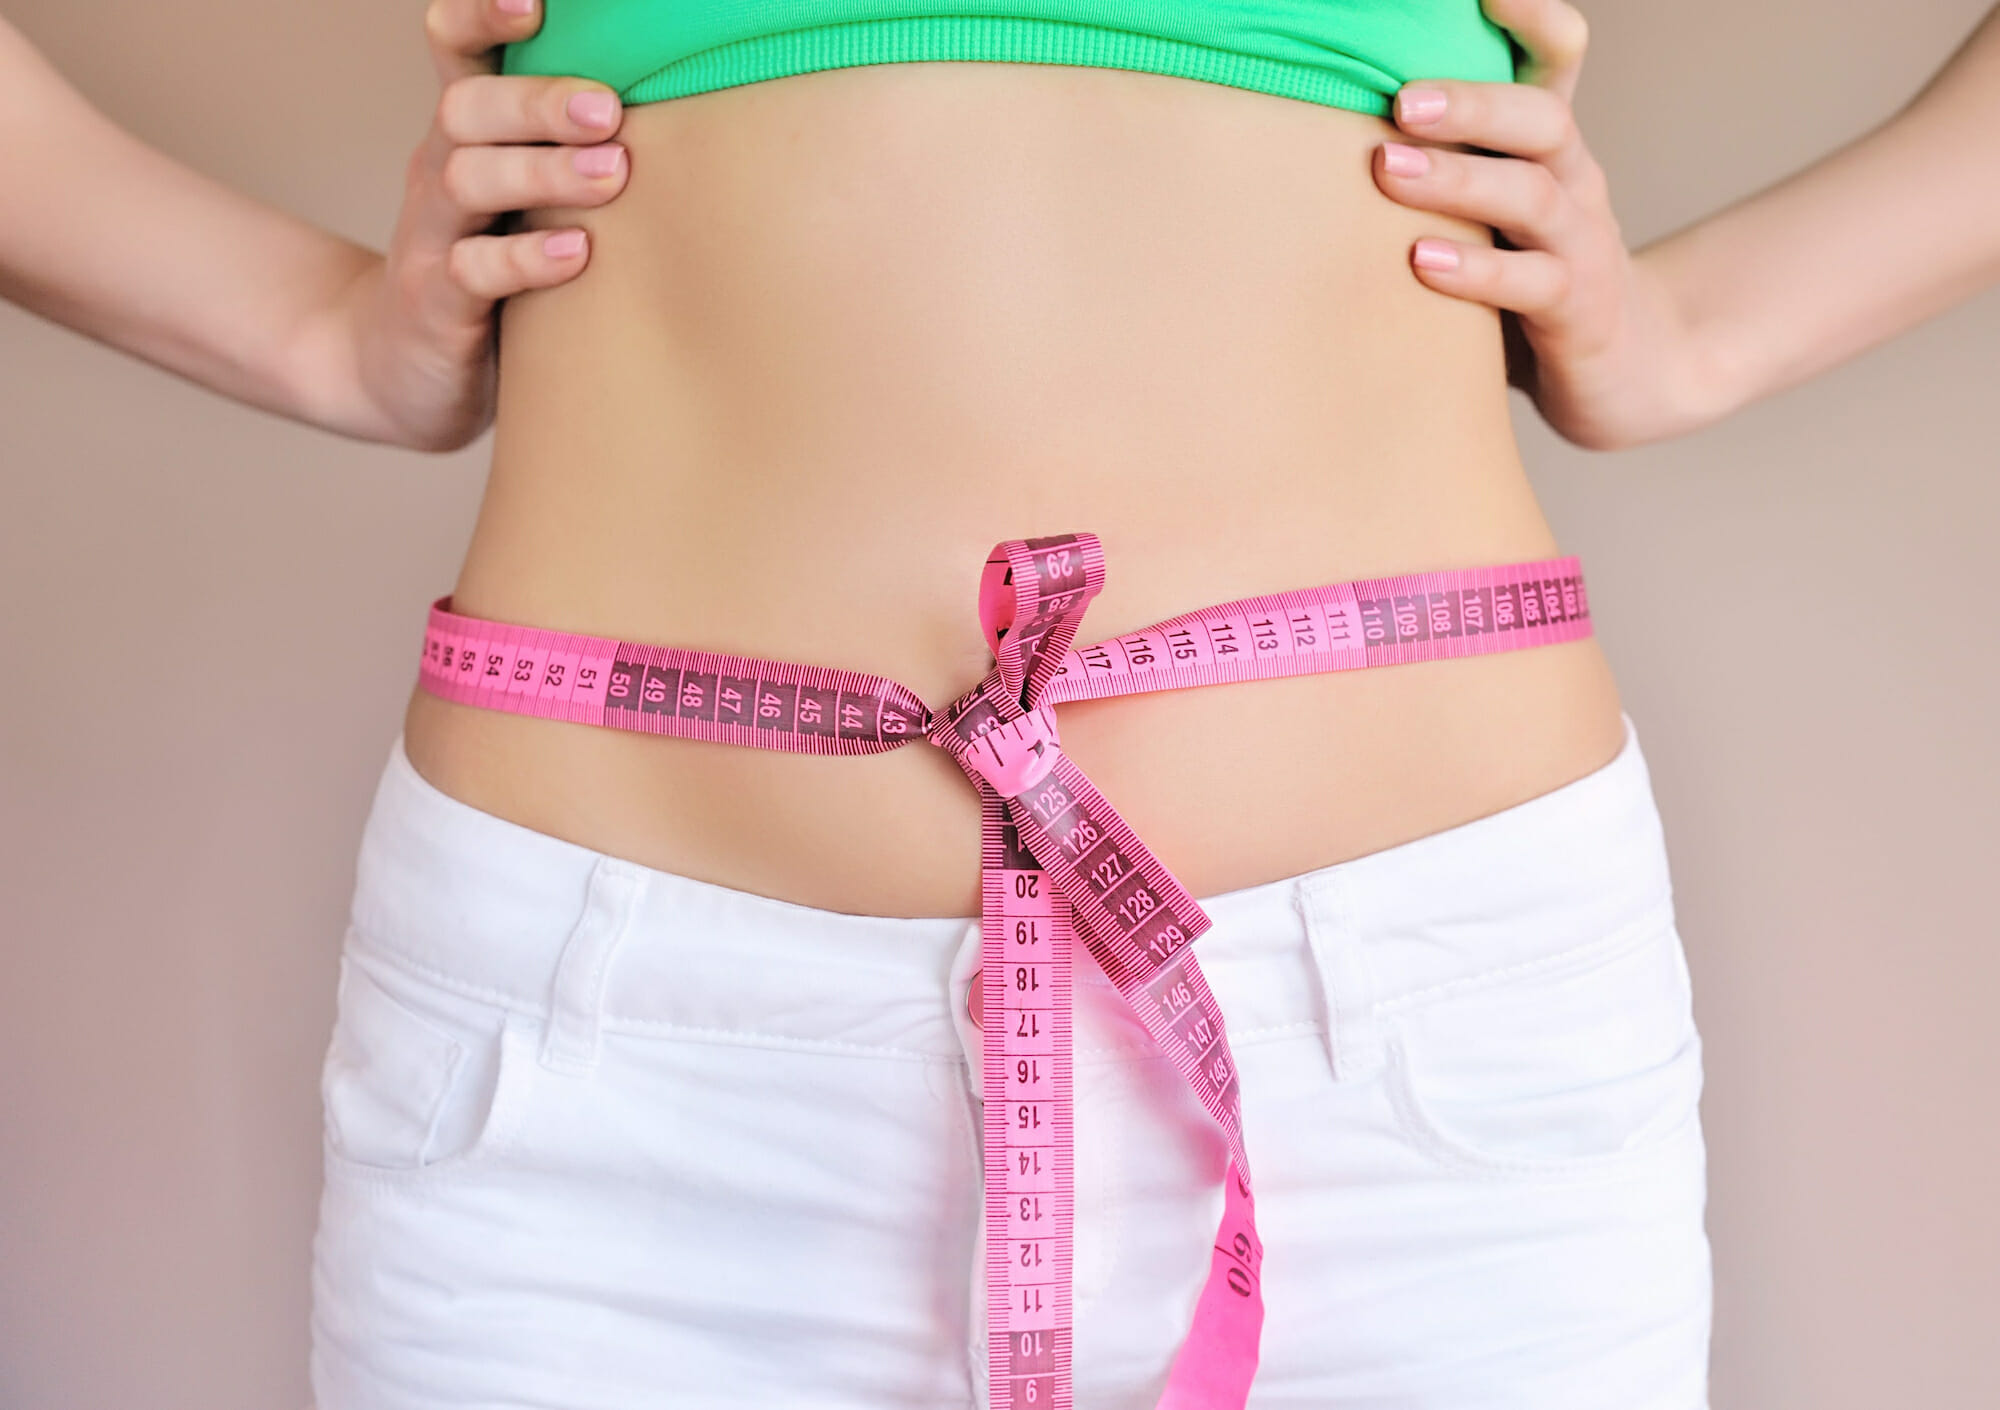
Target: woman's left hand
{"type": "Point", "coordinates": [1590, 332]}
{"type": "Point", "coordinates": [424, 328]}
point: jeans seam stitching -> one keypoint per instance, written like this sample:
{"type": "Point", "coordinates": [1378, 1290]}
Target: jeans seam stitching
{"type": "Point", "coordinates": [499, 998]}
{"type": "Point", "coordinates": [1656, 922]}
{"type": "Point", "coordinates": [752, 1038]}
{"type": "Point", "coordinates": [1606, 1166]}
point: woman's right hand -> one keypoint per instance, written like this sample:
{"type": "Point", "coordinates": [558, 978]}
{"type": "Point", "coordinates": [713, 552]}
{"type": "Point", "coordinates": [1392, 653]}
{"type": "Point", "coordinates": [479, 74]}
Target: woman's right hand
{"type": "Point", "coordinates": [109, 236]}
{"type": "Point", "coordinates": [488, 151]}
{"type": "Point", "coordinates": [1592, 335]}
{"type": "Point", "coordinates": [496, 144]}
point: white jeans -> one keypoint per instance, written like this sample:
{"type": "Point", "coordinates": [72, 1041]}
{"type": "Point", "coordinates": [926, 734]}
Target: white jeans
{"type": "Point", "coordinates": [600, 1137]}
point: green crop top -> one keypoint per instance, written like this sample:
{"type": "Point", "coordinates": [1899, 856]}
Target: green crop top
{"type": "Point", "coordinates": [1344, 53]}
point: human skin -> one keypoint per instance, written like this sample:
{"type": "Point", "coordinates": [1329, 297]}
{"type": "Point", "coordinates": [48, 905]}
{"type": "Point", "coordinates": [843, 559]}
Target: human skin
{"type": "Point", "coordinates": [1617, 349]}
{"type": "Point", "coordinates": [845, 331]}
{"type": "Point", "coordinates": [864, 324]}
{"type": "Point", "coordinates": [108, 236]}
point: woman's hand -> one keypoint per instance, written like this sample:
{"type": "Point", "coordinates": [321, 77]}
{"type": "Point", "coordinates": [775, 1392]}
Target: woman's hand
{"type": "Point", "coordinates": [1591, 334]}
{"type": "Point", "coordinates": [424, 324]}
{"type": "Point", "coordinates": [112, 238]}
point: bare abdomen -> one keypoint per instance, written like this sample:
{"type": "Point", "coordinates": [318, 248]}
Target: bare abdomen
{"type": "Point", "coordinates": [846, 331]}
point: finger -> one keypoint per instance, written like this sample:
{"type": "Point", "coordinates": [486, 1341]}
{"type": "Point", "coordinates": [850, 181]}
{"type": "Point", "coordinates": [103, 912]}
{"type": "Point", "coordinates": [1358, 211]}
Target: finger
{"type": "Point", "coordinates": [485, 108]}
{"type": "Point", "coordinates": [1500, 117]}
{"type": "Point", "coordinates": [1511, 118]}
{"type": "Point", "coordinates": [490, 267]}
{"type": "Point", "coordinates": [1528, 282]}
{"type": "Point", "coordinates": [1553, 35]}
{"type": "Point", "coordinates": [464, 35]}
{"type": "Point", "coordinates": [1521, 199]}
{"type": "Point", "coordinates": [488, 180]}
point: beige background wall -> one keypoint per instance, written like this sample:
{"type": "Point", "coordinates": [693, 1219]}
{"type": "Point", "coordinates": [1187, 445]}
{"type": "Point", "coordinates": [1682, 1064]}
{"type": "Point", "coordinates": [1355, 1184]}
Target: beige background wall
{"type": "Point", "coordinates": [175, 877]}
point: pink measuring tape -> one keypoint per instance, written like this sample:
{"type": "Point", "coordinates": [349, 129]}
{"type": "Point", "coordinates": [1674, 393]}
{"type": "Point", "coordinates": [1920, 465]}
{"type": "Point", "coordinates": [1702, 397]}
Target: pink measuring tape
{"type": "Point", "coordinates": [1057, 862]}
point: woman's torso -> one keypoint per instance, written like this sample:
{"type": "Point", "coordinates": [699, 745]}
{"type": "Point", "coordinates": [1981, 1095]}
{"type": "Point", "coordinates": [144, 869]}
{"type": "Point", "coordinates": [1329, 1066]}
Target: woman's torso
{"type": "Point", "coordinates": [844, 331]}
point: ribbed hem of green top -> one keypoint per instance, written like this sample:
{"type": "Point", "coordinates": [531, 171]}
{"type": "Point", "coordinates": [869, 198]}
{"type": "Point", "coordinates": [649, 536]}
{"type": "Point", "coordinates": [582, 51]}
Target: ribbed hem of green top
{"type": "Point", "coordinates": [991, 39]}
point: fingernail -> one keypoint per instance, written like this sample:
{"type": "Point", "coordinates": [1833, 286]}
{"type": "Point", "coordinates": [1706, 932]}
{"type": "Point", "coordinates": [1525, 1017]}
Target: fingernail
{"type": "Point", "coordinates": [592, 109]}
{"type": "Point", "coordinates": [1435, 254]}
{"type": "Point", "coordinates": [1420, 104]}
{"type": "Point", "coordinates": [599, 161]}
{"type": "Point", "coordinates": [564, 244]}
{"type": "Point", "coordinates": [1404, 161]}
{"type": "Point", "coordinates": [515, 7]}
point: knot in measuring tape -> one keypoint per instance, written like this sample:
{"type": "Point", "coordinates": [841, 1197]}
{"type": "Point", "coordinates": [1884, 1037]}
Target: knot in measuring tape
{"type": "Point", "coordinates": [1012, 756]}
{"type": "Point", "coordinates": [1032, 594]}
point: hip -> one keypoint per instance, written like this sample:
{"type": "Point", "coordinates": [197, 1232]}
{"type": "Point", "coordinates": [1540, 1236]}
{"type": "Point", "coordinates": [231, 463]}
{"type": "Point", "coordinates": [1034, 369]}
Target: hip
{"type": "Point", "coordinates": [581, 1111]}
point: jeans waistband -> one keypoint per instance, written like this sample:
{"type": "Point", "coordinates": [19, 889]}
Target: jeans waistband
{"type": "Point", "coordinates": [592, 942]}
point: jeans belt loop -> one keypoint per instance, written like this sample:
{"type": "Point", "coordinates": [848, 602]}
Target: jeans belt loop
{"type": "Point", "coordinates": [1354, 1036]}
{"type": "Point", "coordinates": [572, 1041]}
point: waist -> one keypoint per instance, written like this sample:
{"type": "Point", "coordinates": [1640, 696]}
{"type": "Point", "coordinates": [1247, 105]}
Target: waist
{"type": "Point", "coordinates": [845, 331]}
{"type": "Point", "coordinates": [487, 906]}
{"type": "Point", "coordinates": [1240, 796]}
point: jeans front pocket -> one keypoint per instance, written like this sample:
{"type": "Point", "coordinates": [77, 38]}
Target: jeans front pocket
{"type": "Point", "coordinates": [1580, 1066]}
{"type": "Point", "coordinates": [419, 1081]}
